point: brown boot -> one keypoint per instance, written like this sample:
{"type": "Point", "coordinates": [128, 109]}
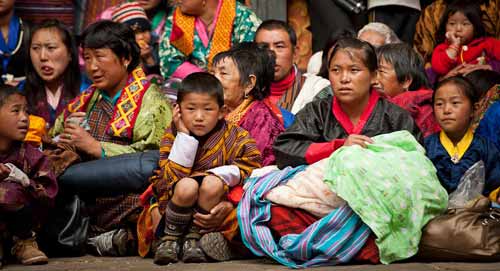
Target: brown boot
{"type": "Point", "coordinates": [27, 252]}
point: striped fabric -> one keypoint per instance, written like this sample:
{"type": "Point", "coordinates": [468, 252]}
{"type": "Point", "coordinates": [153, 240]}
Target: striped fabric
{"type": "Point", "coordinates": [128, 11]}
{"type": "Point", "coordinates": [36, 11]}
{"type": "Point", "coordinates": [334, 239]}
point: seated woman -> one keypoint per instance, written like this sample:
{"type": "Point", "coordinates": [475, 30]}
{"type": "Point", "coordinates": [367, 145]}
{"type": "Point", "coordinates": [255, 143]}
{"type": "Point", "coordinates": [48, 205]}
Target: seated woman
{"type": "Point", "coordinates": [246, 73]}
{"type": "Point", "coordinates": [121, 112]}
{"type": "Point", "coordinates": [52, 71]}
{"type": "Point", "coordinates": [378, 34]}
{"type": "Point", "coordinates": [401, 77]}
{"type": "Point", "coordinates": [355, 113]}
{"type": "Point", "coordinates": [456, 148]}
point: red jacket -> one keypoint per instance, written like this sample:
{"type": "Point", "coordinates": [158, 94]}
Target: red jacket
{"type": "Point", "coordinates": [442, 63]}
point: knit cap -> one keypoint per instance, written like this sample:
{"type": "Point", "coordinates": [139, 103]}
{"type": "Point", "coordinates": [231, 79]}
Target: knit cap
{"type": "Point", "coordinates": [133, 15]}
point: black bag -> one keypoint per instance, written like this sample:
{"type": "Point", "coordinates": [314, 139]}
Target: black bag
{"type": "Point", "coordinates": [66, 231]}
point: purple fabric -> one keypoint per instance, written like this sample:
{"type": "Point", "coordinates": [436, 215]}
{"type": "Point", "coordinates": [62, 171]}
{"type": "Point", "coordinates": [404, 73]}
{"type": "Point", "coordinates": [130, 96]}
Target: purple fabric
{"type": "Point", "coordinates": [43, 109]}
{"type": "Point", "coordinates": [264, 126]}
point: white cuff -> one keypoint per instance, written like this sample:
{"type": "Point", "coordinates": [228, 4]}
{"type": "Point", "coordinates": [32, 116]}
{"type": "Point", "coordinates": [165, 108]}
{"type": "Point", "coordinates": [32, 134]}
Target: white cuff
{"type": "Point", "coordinates": [184, 150]}
{"type": "Point", "coordinates": [17, 175]}
{"type": "Point", "coordinates": [229, 174]}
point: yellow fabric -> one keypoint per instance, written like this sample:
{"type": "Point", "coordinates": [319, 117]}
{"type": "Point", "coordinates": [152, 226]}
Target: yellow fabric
{"type": "Point", "coordinates": [456, 151]}
{"type": "Point", "coordinates": [237, 114]}
{"type": "Point", "coordinates": [185, 23]}
{"type": "Point", "coordinates": [36, 130]}
{"type": "Point", "coordinates": [494, 195]}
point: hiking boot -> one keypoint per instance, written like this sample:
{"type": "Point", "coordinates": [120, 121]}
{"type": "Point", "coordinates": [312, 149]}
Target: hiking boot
{"type": "Point", "coordinates": [191, 251]}
{"type": "Point", "coordinates": [111, 243]}
{"type": "Point", "coordinates": [27, 252]}
{"type": "Point", "coordinates": [216, 246]}
{"type": "Point", "coordinates": [168, 251]}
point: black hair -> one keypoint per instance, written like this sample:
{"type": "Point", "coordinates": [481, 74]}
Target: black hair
{"type": "Point", "coordinates": [407, 63]}
{"type": "Point", "coordinates": [6, 91]}
{"type": "Point", "coordinates": [369, 57]}
{"type": "Point", "coordinates": [470, 9]}
{"type": "Point", "coordinates": [115, 36]}
{"type": "Point", "coordinates": [252, 59]}
{"type": "Point", "coordinates": [71, 77]}
{"type": "Point", "coordinates": [279, 25]}
{"type": "Point", "coordinates": [467, 88]}
{"type": "Point", "coordinates": [330, 42]}
{"type": "Point", "coordinates": [201, 82]}
{"type": "Point", "coordinates": [483, 80]}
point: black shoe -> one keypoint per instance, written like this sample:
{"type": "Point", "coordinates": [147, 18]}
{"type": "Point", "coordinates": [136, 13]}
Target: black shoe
{"type": "Point", "coordinates": [216, 246]}
{"type": "Point", "coordinates": [191, 251]}
{"type": "Point", "coordinates": [167, 252]}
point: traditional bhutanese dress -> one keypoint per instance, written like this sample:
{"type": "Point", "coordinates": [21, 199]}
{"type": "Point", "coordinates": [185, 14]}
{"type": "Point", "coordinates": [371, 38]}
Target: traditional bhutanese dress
{"type": "Point", "coordinates": [134, 120]}
{"type": "Point", "coordinates": [186, 47]}
{"type": "Point", "coordinates": [489, 126]}
{"type": "Point", "coordinates": [452, 161]}
{"type": "Point", "coordinates": [42, 190]}
{"type": "Point", "coordinates": [228, 152]}
{"type": "Point", "coordinates": [321, 127]}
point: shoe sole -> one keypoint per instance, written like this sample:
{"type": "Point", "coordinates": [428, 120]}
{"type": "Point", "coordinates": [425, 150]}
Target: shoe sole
{"type": "Point", "coordinates": [164, 261]}
{"type": "Point", "coordinates": [36, 261]}
{"type": "Point", "coordinates": [216, 246]}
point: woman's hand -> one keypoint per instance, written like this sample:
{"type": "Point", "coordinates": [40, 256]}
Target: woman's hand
{"type": "Point", "coordinates": [360, 140]}
{"type": "Point", "coordinates": [75, 135]}
{"type": "Point", "coordinates": [4, 171]}
{"type": "Point", "coordinates": [210, 222]}
{"type": "Point", "coordinates": [177, 120]}
{"type": "Point", "coordinates": [75, 118]}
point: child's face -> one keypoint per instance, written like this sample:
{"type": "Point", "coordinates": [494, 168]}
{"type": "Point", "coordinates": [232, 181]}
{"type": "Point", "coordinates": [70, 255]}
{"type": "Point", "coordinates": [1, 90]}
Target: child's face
{"type": "Point", "coordinates": [453, 110]}
{"type": "Point", "coordinates": [200, 113]}
{"type": "Point", "coordinates": [350, 77]}
{"type": "Point", "coordinates": [461, 26]}
{"type": "Point", "coordinates": [143, 38]}
{"type": "Point", "coordinates": [14, 118]}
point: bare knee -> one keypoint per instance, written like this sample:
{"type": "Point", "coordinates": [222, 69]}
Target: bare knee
{"type": "Point", "coordinates": [212, 187]}
{"type": "Point", "coordinates": [186, 192]}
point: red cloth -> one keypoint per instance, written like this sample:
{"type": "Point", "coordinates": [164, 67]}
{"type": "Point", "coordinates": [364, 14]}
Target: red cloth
{"type": "Point", "coordinates": [318, 151]}
{"type": "Point", "coordinates": [294, 221]}
{"type": "Point", "coordinates": [442, 63]}
{"type": "Point", "coordinates": [279, 88]}
{"type": "Point", "coordinates": [419, 104]}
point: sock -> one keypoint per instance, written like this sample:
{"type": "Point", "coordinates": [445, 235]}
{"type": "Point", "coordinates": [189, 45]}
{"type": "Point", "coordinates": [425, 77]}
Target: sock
{"type": "Point", "coordinates": [177, 218]}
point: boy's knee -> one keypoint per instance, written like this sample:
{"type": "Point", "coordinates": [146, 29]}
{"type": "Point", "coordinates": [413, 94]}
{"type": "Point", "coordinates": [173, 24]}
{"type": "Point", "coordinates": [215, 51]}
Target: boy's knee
{"type": "Point", "coordinates": [212, 186]}
{"type": "Point", "coordinates": [186, 191]}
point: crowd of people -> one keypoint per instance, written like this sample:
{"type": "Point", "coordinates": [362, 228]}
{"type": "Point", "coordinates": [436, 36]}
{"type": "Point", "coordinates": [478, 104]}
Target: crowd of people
{"type": "Point", "coordinates": [185, 132]}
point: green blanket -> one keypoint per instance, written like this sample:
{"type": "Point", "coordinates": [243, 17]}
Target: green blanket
{"type": "Point", "coordinates": [393, 187]}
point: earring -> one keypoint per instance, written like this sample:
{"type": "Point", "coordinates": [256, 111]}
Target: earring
{"type": "Point", "coordinates": [126, 65]}
{"type": "Point", "coordinates": [246, 96]}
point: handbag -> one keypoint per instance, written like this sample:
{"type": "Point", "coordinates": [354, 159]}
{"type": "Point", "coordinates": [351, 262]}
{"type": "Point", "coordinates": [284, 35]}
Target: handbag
{"type": "Point", "coordinates": [471, 234]}
{"type": "Point", "coordinates": [67, 230]}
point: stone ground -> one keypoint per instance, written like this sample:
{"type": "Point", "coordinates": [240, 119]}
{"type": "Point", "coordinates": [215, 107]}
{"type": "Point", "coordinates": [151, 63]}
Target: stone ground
{"type": "Point", "coordinates": [90, 263]}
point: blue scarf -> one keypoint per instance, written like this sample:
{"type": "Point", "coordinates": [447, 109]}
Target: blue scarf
{"type": "Point", "coordinates": [6, 48]}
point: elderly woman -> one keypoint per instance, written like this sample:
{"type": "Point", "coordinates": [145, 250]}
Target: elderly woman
{"type": "Point", "coordinates": [120, 113]}
{"type": "Point", "coordinates": [378, 34]}
{"type": "Point", "coordinates": [401, 77]}
{"type": "Point", "coordinates": [197, 30]}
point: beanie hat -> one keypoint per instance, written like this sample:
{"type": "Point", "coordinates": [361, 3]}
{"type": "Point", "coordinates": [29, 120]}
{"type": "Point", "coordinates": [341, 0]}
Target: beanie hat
{"type": "Point", "coordinates": [133, 15]}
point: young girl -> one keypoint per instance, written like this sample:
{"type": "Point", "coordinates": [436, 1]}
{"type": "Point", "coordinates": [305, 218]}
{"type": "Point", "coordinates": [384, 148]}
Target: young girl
{"type": "Point", "coordinates": [455, 149]}
{"type": "Point", "coordinates": [27, 185]}
{"type": "Point", "coordinates": [462, 39]}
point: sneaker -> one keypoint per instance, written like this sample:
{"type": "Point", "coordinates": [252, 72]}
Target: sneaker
{"type": "Point", "coordinates": [191, 251]}
{"type": "Point", "coordinates": [111, 243]}
{"type": "Point", "coordinates": [27, 252]}
{"type": "Point", "coordinates": [168, 251]}
{"type": "Point", "coordinates": [216, 246]}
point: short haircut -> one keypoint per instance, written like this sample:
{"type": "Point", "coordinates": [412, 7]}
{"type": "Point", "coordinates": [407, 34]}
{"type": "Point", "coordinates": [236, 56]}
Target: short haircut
{"type": "Point", "coordinates": [382, 29]}
{"type": "Point", "coordinates": [483, 80]}
{"type": "Point", "coordinates": [279, 25]}
{"type": "Point", "coordinates": [252, 59]}
{"type": "Point", "coordinates": [369, 57]}
{"type": "Point", "coordinates": [115, 36]}
{"type": "Point", "coordinates": [6, 91]}
{"type": "Point", "coordinates": [202, 83]}
{"type": "Point", "coordinates": [470, 9]}
{"type": "Point", "coordinates": [407, 63]}
{"type": "Point", "coordinates": [463, 84]}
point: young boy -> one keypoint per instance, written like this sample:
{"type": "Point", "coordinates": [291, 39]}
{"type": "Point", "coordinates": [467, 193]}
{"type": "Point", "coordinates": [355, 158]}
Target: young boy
{"type": "Point", "coordinates": [27, 185]}
{"type": "Point", "coordinates": [201, 156]}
